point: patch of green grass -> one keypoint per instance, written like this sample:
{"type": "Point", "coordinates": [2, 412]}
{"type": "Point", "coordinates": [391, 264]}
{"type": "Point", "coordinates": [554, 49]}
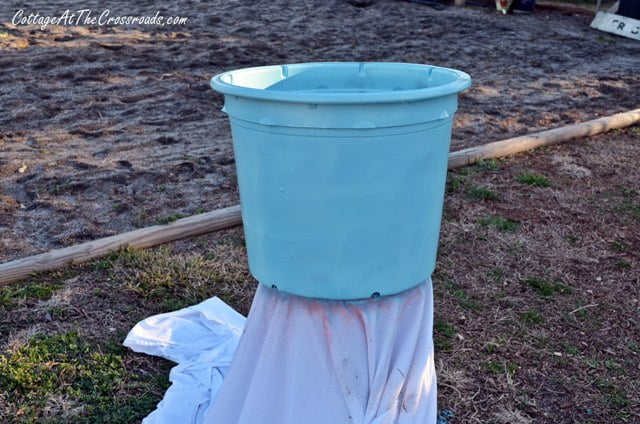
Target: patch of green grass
{"type": "Point", "coordinates": [174, 304]}
{"type": "Point", "coordinates": [630, 207]}
{"type": "Point", "coordinates": [496, 274]}
{"type": "Point", "coordinates": [500, 223]}
{"type": "Point", "coordinates": [619, 246]}
{"type": "Point", "coordinates": [471, 305]}
{"type": "Point", "coordinates": [623, 417]}
{"type": "Point", "coordinates": [60, 187]}
{"type": "Point", "coordinates": [126, 256]}
{"type": "Point", "coordinates": [119, 207]}
{"type": "Point", "coordinates": [101, 265]}
{"type": "Point", "coordinates": [98, 292]}
{"type": "Point", "coordinates": [534, 180]}
{"type": "Point", "coordinates": [491, 347]}
{"type": "Point", "coordinates": [584, 313]}
{"type": "Point", "coordinates": [612, 365]}
{"type": "Point", "coordinates": [444, 329]}
{"type": "Point", "coordinates": [482, 193]}
{"type": "Point", "coordinates": [56, 311]}
{"type": "Point", "coordinates": [532, 317]}
{"type": "Point", "coordinates": [169, 281]}
{"type": "Point", "coordinates": [614, 395]}
{"type": "Point", "coordinates": [209, 256]}
{"type": "Point", "coordinates": [444, 333]}
{"type": "Point", "coordinates": [628, 192]}
{"type": "Point", "coordinates": [570, 349]}
{"type": "Point", "coordinates": [171, 218]}
{"type": "Point", "coordinates": [489, 165]}
{"type": "Point", "coordinates": [442, 345]}
{"type": "Point", "coordinates": [86, 374]}
{"type": "Point", "coordinates": [592, 363]}
{"type": "Point", "coordinates": [523, 401]}
{"type": "Point", "coordinates": [631, 201]}
{"type": "Point", "coordinates": [623, 264]}
{"type": "Point", "coordinates": [633, 345]}
{"type": "Point", "coordinates": [605, 40]}
{"type": "Point", "coordinates": [199, 211]}
{"type": "Point", "coordinates": [572, 239]}
{"type": "Point", "coordinates": [466, 171]}
{"type": "Point", "coordinates": [635, 130]}
{"type": "Point", "coordinates": [14, 295]}
{"type": "Point", "coordinates": [500, 367]}
{"type": "Point", "coordinates": [454, 182]}
{"type": "Point", "coordinates": [546, 289]}
{"type": "Point", "coordinates": [464, 298]}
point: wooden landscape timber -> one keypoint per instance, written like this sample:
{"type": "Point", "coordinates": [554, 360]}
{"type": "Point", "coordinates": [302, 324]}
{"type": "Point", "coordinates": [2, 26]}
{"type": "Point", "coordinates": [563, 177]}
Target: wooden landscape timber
{"type": "Point", "coordinates": [523, 143]}
{"type": "Point", "coordinates": [228, 217]}
{"type": "Point", "coordinates": [142, 238]}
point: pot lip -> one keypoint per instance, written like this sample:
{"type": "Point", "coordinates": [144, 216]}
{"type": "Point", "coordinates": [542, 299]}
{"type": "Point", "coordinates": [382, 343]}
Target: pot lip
{"type": "Point", "coordinates": [460, 81]}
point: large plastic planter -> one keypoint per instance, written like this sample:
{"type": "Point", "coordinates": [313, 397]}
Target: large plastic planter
{"type": "Point", "coordinates": [341, 171]}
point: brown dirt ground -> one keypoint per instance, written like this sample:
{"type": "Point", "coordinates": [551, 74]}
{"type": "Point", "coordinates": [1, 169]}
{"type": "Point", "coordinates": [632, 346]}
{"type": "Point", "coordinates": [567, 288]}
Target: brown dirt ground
{"type": "Point", "coordinates": [104, 129]}
{"type": "Point", "coordinates": [537, 288]}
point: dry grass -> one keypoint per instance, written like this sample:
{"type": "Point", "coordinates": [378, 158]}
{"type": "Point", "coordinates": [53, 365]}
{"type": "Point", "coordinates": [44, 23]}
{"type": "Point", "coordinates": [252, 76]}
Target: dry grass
{"type": "Point", "coordinates": [537, 299]}
{"type": "Point", "coordinates": [552, 305]}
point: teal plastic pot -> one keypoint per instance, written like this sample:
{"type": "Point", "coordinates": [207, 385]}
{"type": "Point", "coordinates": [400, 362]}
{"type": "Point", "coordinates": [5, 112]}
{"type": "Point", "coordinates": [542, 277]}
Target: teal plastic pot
{"type": "Point", "coordinates": [341, 171]}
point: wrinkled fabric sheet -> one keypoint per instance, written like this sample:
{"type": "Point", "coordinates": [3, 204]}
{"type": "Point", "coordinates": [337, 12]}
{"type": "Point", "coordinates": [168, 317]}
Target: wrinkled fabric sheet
{"type": "Point", "coordinates": [202, 340]}
{"type": "Point", "coordinates": [299, 360]}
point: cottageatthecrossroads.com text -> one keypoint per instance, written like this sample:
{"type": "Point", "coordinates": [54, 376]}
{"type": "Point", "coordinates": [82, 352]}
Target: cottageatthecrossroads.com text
{"type": "Point", "coordinates": [88, 17]}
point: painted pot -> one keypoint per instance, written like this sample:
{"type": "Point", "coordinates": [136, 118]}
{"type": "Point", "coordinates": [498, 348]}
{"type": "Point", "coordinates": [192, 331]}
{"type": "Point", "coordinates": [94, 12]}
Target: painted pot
{"type": "Point", "coordinates": [341, 171]}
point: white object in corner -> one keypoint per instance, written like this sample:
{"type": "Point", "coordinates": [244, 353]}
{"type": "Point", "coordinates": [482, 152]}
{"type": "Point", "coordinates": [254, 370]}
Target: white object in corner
{"type": "Point", "coordinates": [616, 24]}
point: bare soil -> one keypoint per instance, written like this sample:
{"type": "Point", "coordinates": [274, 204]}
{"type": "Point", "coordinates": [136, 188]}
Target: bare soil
{"type": "Point", "coordinates": [107, 128]}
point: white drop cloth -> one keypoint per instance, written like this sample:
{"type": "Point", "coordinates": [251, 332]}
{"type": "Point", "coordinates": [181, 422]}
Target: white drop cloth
{"type": "Point", "coordinates": [300, 361]}
{"type": "Point", "coordinates": [202, 340]}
